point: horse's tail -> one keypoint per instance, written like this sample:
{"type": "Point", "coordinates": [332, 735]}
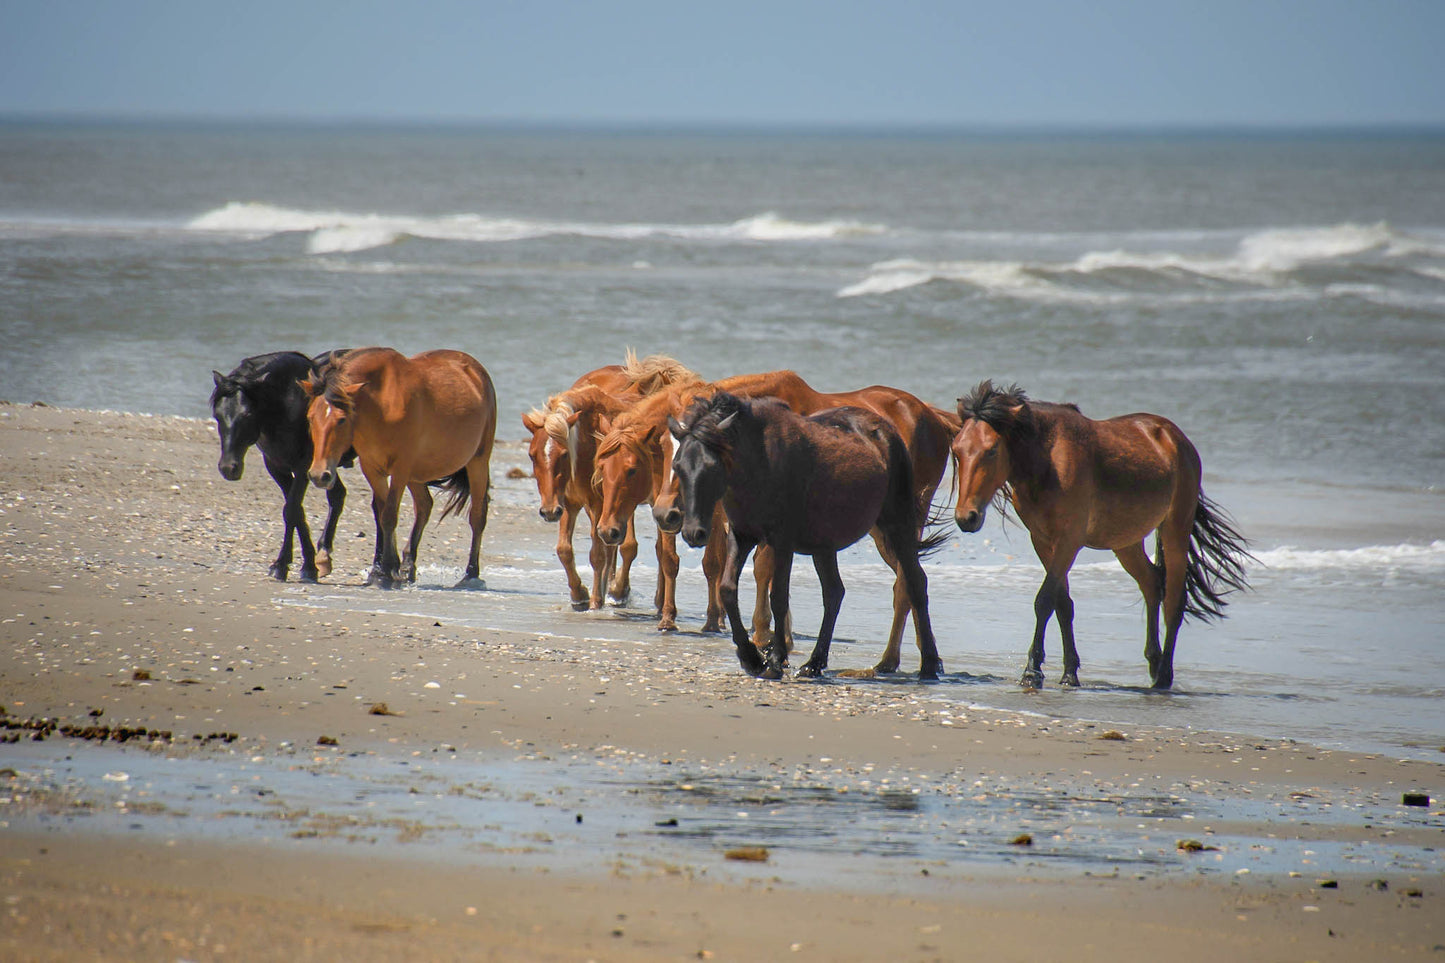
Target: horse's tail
{"type": "Point", "coordinates": [1217, 553]}
{"type": "Point", "coordinates": [903, 497]}
{"type": "Point", "coordinates": [458, 488]}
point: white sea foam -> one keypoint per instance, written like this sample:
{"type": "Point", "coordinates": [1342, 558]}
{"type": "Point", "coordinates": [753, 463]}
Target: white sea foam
{"type": "Point", "coordinates": [335, 232]}
{"type": "Point", "coordinates": [1418, 559]}
{"type": "Point", "coordinates": [1262, 265]}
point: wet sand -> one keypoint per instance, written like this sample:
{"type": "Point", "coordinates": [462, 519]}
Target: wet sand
{"type": "Point", "coordinates": [539, 795]}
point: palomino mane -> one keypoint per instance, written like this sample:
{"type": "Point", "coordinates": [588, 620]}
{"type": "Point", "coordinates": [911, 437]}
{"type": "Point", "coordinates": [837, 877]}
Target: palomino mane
{"type": "Point", "coordinates": [655, 372]}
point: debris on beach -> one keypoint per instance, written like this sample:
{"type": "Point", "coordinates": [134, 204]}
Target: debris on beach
{"type": "Point", "coordinates": [381, 709]}
{"type": "Point", "coordinates": [748, 854]}
{"type": "Point", "coordinates": [1113, 735]}
{"type": "Point", "coordinates": [1421, 799]}
{"type": "Point", "coordinates": [1194, 846]}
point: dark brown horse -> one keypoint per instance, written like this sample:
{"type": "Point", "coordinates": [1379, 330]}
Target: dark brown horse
{"type": "Point", "coordinates": [1078, 483]}
{"type": "Point", "coordinates": [811, 485]}
{"type": "Point", "coordinates": [926, 432]}
{"type": "Point", "coordinates": [412, 421]}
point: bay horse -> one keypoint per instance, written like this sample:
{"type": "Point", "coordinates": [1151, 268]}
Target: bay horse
{"type": "Point", "coordinates": [260, 403]}
{"type": "Point", "coordinates": [811, 485]}
{"type": "Point", "coordinates": [1075, 483]}
{"type": "Point", "coordinates": [430, 418]}
{"type": "Point", "coordinates": [926, 432]}
{"type": "Point", "coordinates": [562, 450]}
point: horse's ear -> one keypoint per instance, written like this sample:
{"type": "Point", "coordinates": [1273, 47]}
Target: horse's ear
{"type": "Point", "coordinates": [353, 388]}
{"type": "Point", "coordinates": [218, 378]}
{"type": "Point", "coordinates": [723, 425]}
{"type": "Point", "coordinates": [531, 422]}
{"type": "Point", "coordinates": [677, 428]}
{"type": "Point", "coordinates": [308, 387]}
{"type": "Point", "coordinates": [572, 416]}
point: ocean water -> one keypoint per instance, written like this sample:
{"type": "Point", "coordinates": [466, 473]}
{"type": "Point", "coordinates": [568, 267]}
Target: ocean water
{"type": "Point", "coordinates": [1281, 297]}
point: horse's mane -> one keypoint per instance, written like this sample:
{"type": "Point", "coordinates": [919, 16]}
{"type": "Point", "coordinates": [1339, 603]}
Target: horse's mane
{"type": "Point", "coordinates": [331, 378]}
{"type": "Point", "coordinates": [702, 420]}
{"type": "Point", "coordinates": [1005, 410]}
{"type": "Point", "coordinates": [655, 372]}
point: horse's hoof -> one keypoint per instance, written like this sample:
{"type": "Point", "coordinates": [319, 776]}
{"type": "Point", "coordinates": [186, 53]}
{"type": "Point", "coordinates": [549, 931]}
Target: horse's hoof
{"type": "Point", "coordinates": [1070, 679]}
{"type": "Point", "coordinates": [773, 673]}
{"type": "Point", "coordinates": [1032, 680]}
{"type": "Point", "coordinates": [472, 583]}
{"type": "Point", "coordinates": [751, 661]}
{"type": "Point", "coordinates": [278, 572]}
{"type": "Point", "coordinates": [1164, 682]}
{"type": "Point", "coordinates": [930, 672]}
{"type": "Point", "coordinates": [621, 599]}
{"type": "Point", "coordinates": [667, 625]}
{"type": "Point", "coordinates": [712, 627]}
{"type": "Point", "coordinates": [886, 668]}
{"type": "Point", "coordinates": [309, 575]}
{"type": "Point", "coordinates": [810, 671]}
{"type": "Point", "coordinates": [580, 605]}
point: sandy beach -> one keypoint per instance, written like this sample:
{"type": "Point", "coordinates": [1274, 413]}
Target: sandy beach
{"type": "Point", "coordinates": [204, 764]}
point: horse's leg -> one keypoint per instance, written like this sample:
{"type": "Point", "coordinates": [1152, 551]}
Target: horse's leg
{"type": "Point", "coordinates": [602, 557]}
{"type": "Point", "coordinates": [893, 652]}
{"type": "Point", "coordinates": [904, 546]}
{"type": "Point", "coordinates": [826, 565]}
{"type": "Point", "coordinates": [748, 654]}
{"type": "Point", "coordinates": [1064, 615]}
{"type": "Point", "coordinates": [479, 482]}
{"type": "Point", "coordinates": [285, 480]}
{"type": "Point", "coordinates": [566, 527]}
{"type": "Point", "coordinates": [1174, 544]}
{"type": "Point", "coordinates": [421, 503]}
{"type": "Point", "coordinates": [296, 509]}
{"type": "Point", "coordinates": [1057, 562]}
{"type": "Point", "coordinates": [620, 591]}
{"type": "Point", "coordinates": [668, 564]}
{"type": "Point", "coordinates": [714, 557]}
{"type": "Point", "coordinates": [385, 506]}
{"type": "Point", "coordinates": [762, 612]}
{"type": "Point", "coordinates": [1150, 580]}
{"type": "Point", "coordinates": [335, 499]}
{"type": "Point", "coordinates": [776, 654]}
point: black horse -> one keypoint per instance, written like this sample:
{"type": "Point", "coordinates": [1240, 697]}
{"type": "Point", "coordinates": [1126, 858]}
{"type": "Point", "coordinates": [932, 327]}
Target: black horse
{"type": "Point", "coordinates": [811, 485]}
{"type": "Point", "coordinates": [262, 403]}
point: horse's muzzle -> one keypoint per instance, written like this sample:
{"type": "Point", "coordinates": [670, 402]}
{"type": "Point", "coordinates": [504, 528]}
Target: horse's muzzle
{"type": "Point", "coordinates": [695, 535]}
{"type": "Point", "coordinates": [970, 521]}
{"type": "Point", "coordinates": [551, 514]}
{"type": "Point", "coordinates": [323, 479]}
{"type": "Point", "coordinates": [231, 469]}
{"type": "Point", "coordinates": [612, 535]}
{"type": "Point", "coordinates": [669, 521]}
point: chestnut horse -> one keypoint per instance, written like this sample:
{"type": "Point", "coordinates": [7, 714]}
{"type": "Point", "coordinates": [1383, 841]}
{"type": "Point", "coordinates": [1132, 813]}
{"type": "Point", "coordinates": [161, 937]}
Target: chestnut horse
{"type": "Point", "coordinates": [1076, 483]}
{"type": "Point", "coordinates": [430, 418]}
{"type": "Point", "coordinates": [811, 485]}
{"type": "Point", "coordinates": [260, 403]}
{"type": "Point", "coordinates": [564, 482]}
{"type": "Point", "coordinates": [926, 432]}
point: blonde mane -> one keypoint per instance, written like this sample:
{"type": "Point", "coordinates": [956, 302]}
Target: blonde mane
{"type": "Point", "coordinates": [655, 372]}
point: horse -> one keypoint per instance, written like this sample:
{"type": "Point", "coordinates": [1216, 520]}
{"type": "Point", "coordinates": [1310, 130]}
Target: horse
{"type": "Point", "coordinates": [430, 418]}
{"type": "Point", "coordinates": [260, 403]}
{"type": "Point", "coordinates": [564, 481]}
{"type": "Point", "coordinates": [1076, 482]}
{"type": "Point", "coordinates": [812, 485]}
{"type": "Point", "coordinates": [926, 431]}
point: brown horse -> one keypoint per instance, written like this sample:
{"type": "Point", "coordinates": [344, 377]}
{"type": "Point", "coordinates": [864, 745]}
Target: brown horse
{"type": "Point", "coordinates": [926, 432]}
{"type": "Point", "coordinates": [564, 482]}
{"type": "Point", "coordinates": [562, 499]}
{"type": "Point", "coordinates": [428, 418]}
{"type": "Point", "coordinates": [811, 485]}
{"type": "Point", "coordinates": [1076, 483]}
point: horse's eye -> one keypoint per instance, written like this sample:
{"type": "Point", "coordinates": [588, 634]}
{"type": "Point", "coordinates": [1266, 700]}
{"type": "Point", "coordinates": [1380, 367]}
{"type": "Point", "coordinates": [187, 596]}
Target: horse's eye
{"type": "Point", "coordinates": [631, 471]}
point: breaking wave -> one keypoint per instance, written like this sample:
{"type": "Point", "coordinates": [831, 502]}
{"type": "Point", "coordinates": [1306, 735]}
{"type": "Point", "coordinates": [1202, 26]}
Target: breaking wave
{"type": "Point", "coordinates": [334, 232]}
{"type": "Point", "coordinates": [1278, 263]}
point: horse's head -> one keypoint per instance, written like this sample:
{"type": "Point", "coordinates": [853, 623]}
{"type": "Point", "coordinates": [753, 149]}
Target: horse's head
{"type": "Point", "coordinates": [551, 466]}
{"type": "Point", "coordinates": [623, 476]}
{"type": "Point", "coordinates": [330, 417]}
{"type": "Point", "coordinates": [236, 423]}
{"type": "Point", "coordinates": [980, 450]}
{"type": "Point", "coordinates": [703, 460]}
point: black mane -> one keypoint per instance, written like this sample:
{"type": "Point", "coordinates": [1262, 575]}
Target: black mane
{"type": "Point", "coordinates": [703, 417]}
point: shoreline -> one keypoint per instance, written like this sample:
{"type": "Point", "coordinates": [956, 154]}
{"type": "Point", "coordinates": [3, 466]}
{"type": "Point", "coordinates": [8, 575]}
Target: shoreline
{"type": "Point", "coordinates": [126, 553]}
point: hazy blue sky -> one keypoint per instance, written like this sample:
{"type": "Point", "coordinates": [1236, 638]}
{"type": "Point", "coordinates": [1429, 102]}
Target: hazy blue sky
{"type": "Point", "coordinates": [1011, 62]}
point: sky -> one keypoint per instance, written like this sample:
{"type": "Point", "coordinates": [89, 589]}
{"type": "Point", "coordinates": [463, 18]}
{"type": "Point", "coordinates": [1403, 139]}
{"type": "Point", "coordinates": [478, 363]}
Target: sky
{"type": "Point", "coordinates": [830, 63]}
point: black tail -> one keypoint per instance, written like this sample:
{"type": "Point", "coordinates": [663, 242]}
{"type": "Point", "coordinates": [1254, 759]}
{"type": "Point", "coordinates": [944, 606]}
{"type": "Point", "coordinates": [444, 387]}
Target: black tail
{"type": "Point", "coordinates": [459, 491]}
{"type": "Point", "coordinates": [1217, 553]}
{"type": "Point", "coordinates": [920, 515]}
